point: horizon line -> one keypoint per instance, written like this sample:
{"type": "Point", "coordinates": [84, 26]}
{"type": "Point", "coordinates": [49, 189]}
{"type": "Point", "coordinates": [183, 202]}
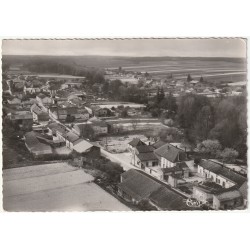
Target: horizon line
{"type": "Point", "coordinates": [126, 56]}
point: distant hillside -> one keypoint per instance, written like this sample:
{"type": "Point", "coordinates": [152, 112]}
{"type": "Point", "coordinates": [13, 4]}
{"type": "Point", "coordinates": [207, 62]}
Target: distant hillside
{"type": "Point", "coordinates": [113, 61]}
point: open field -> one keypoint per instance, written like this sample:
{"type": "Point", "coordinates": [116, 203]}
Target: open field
{"type": "Point", "coordinates": [55, 187]}
{"type": "Point", "coordinates": [211, 68]}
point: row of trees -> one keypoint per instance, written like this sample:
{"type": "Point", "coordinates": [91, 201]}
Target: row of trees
{"type": "Point", "coordinates": [222, 119]}
{"type": "Point", "coordinates": [214, 149]}
{"type": "Point", "coordinates": [120, 91]}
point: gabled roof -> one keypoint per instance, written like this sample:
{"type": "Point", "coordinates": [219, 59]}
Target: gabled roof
{"type": "Point", "coordinates": [228, 195]}
{"type": "Point", "coordinates": [41, 95]}
{"type": "Point", "coordinates": [82, 146]}
{"type": "Point", "coordinates": [21, 115]}
{"type": "Point", "coordinates": [222, 171]}
{"type": "Point", "coordinates": [35, 146]}
{"type": "Point", "coordinates": [149, 156]}
{"type": "Point", "coordinates": [58, 127]}
{"type": "Point", "coordinates": [136, 142]}
{"type": "Point", "coordinates": [158, 144]}
{"type": "Point", "coordinates": [144, 149]}
{"type": "Point", "coordinates": [72, 137]}
{"type": "Point", "coordinates": [171, 153]}
{"type": "Point", "coordinates": [138, 185]}
{"type": "Point", "coordinates": [167, 199]}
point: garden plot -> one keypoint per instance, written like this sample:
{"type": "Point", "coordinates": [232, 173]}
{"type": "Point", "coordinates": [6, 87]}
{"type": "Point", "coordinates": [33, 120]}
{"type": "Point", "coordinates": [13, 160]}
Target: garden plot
{"type": "Point", "coordinates": [119, 144]}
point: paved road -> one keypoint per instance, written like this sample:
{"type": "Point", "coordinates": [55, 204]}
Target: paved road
{"type": "Point", "coordinates": [115, 158]}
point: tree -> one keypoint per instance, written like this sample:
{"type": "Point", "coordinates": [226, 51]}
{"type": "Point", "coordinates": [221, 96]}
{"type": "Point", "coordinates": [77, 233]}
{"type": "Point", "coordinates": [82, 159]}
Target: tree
{"type": "Point", "coordinates": [189, 78]}
{"type": "Point", "coordinates": [229, 155]}
{"type": "Point", "coordinates": [69, 119]}
{"type": "Point", "coordinates": [204, 122]}
{"type": "Point", "coordinates": [211, 147]}
{"type": "Point", "coordinates": [88, 132]}
{"type": "Point", "coordinates": [124, 113]}
{"type": "Point", "coordinates": [201, 79]}
{"type": "Point", "coordinates": [105, 88]}
{"type": "Point", "coordinates": [160, 95]}
{"type": "Point", "coordinates": [170, 134]}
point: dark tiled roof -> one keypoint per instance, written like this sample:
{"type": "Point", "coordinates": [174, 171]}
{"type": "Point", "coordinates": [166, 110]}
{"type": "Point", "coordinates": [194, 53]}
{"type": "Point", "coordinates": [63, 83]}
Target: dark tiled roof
{"type": "Point", "coordinates": [21, 115]}
{"type": "Point", "coordinates": [136, 142]}
{"type": "Point", "coordinates": [72, 137]}
{"type": "Point", "coordinates": [171, 153]}
{"type": "Point", "coordinates": [209, 187]}
{"type": "Point", "coordinates": [179, 167]}
{"type": "Point", "coordinates": [158, 144]}
{"type": "Point", "coordinates": [149, 156]}
{"type": "Point", "coordinates": [58, 127]}
{"type": "Point", "coordinates": [168, 199]}
{"type": "Point", "coordinates": [223, 171]}
{"type": "Point", "coordinates": [35, 146]}
{"type": "Point", "coordinates": [229, 195]}
{"type": "Point", "coordinates": [144, 149]}
{"type": "Point", "coordinates": [138, 185]}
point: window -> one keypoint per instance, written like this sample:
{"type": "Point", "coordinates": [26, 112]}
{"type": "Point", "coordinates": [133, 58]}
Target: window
{"type": "Point", "coordinates": [217, 180]}
{"type": "Point", "coordinates": [223, 184]}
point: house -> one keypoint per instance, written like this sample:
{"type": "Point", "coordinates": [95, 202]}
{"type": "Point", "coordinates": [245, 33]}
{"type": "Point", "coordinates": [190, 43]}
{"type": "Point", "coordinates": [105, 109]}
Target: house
{"type": "Point", "coordinates": [204, 192]}
{"type": "Point", "coordinates": [87, 149]}
{"type": "Point", "coordinates": [38, 114]}
{"type": "Point", "coordinates": [143, 156]}
{"type": "Point", "coordinates": [23, 119]}
{"type": "Point", "coordinates": [35, 147]}
{"type": "Point", "coordinates": [134, 143]}
{"type": "Point", "coordinates": [43, 99]}
{"type": "Point", "coordinates": [170, 155]}
{"type": "Point", "coordinates": [72, 85]}
{"type": "Point", "coordinates": [136, 186]}
{"type": "Point", "coordinates": [79, 129]}
{"type": "Point", "coordinates": [219, 174]}
{"type": "Point", "coordinates": [100, 112]}
{"type": "Point", "coordinates": [100, 127]}
{"type": "Point", "coordinates": [230, 199]}
{"type": "Point", "coordinates": [71, 139]}
{"type": "Point", "coordinates": [28, 102]}
{"type": "Point", "coordinates": [31, 90]}
{"type": "Point", "coordinates": [179, 171]}
{"type": "Point", "coordinates": [58, 131]}
{"type": "Point", "coordinates": [68, 114]}
{"type": "Point", "coordinates": [158, 144]}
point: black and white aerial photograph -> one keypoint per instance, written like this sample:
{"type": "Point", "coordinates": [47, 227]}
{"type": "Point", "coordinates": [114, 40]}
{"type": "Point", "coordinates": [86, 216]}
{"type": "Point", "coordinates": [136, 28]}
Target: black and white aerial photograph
{"type": "Point", "coordinates": [149, 124]}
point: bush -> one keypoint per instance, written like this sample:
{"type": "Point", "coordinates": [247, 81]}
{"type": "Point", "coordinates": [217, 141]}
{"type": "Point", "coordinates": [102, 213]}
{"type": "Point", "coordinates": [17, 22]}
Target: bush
{"type": "Point", "coordinates": [229, 155]}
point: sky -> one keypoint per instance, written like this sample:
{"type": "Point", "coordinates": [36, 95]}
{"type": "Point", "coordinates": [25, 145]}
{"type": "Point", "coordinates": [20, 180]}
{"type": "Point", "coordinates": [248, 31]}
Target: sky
{"type": "Point", "coordinates": [221, 47]}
